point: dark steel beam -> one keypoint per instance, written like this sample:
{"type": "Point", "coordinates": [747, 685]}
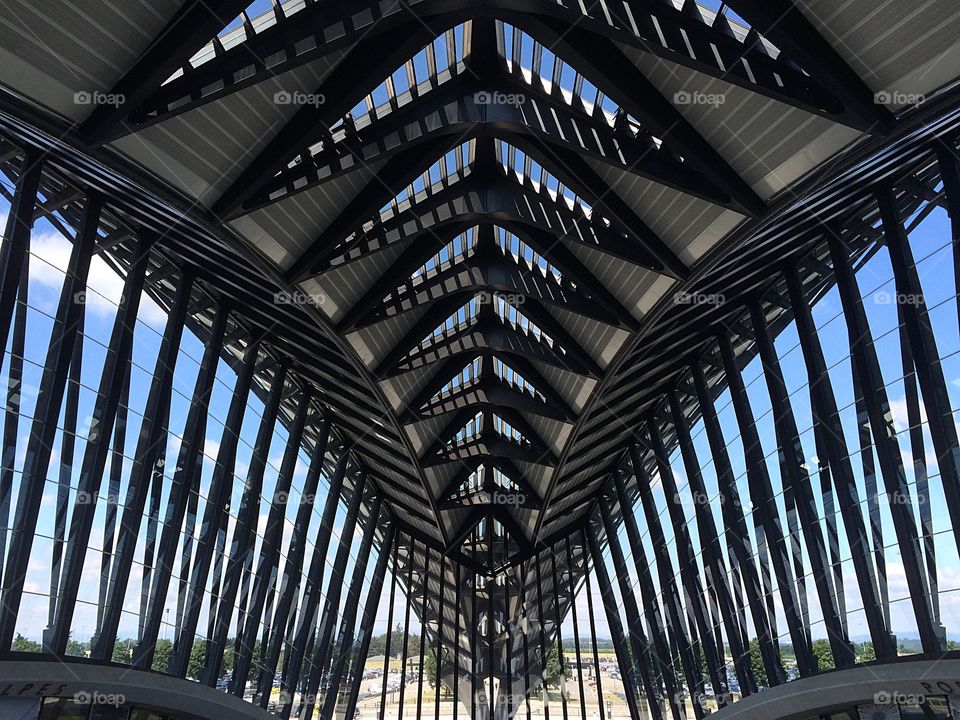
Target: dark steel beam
{"type": "Point", "coordinates": [863, 357]}
{"type": "Point", "coordinates": [767, 525]}
{"type": "Point", "coordinates": [642, 649]}
{"type": "Point", "coordinates": [796, 481]}
{"type": "Point", "coordinates": [826, 416]}
{"type": "Point", "coordinates": [309, 605]}
{"type": "Point", "coordinates": [613, 621]}
{"type": "Point", "coordinates": [194, 24]}
{"type": "Point", "coordinates": [147, 460]}
{"type": "Point", "coordinates": [738, 538]}
{"type": "Point", "coordinates": [186, 480]}
{"type": "Point", "coordinates": [52, 385]}
{"type": "Point", "coordinates": [285, 613]}
{"type": "Point", "coordinates": [116, 366]}
{"type": "Point", "coordinates": [786, 25]}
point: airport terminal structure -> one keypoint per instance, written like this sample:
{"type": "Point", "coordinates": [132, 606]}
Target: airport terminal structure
{"type": "Point", "coordinates": [479, 359]}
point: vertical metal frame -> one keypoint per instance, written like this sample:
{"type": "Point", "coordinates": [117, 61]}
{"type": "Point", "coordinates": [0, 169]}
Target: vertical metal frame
{"type": "Point", "coordinates": [52, 385]}
{"type": "Point", "coordinates": [863, 358]}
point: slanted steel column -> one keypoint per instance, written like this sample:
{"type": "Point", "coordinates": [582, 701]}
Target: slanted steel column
{"type": "Point", "coordinates": [341, 661]}
{"type": "Point", "coordinates": [922, 480]}
{"type": "Point", "coordinates": [14, 258]}
{"type": "Point", "coordinates": [285, 613]}
{"type": "Point", "coordinates": [331, 602]}
{"type": "Point", "coordinates": [863, 358]}
{"type": "Point", "coordinates": [424, 587]}
{"type": "Point", "coordinates": [311, 590]}
{"type": "Point", "coordinates": [406, 627]}
{"type": "Point", "coordinates": [793, 467]}
{"type": "Point", "coordinates": [738, 538]}
{"type": "Point", "coordinates": [689, 574]}
{"type": "Point", "coordinates": [185, 479]}
{"type": "Point", "coordinates": [766, 518]}
{"type": "Point", "coordinates": [439, 647]}
{"type": "Point", "coordinates": [116, 366]}
{"type": "Point", "coordinates": [68, 443]}
{"type": "Point", "coordinates": [269, 558]}
{"type": "Point", "coordinates": [215, 509]}
{"type": "Point", "coordinates": [593, 636]}
{"type": "Point", "coordinates": [638, 640]}
{"type": "Point", "coordinates": [676, 621]}
{"type": "Point", "coordinates": [948, 160]}
{"type": "Point", "coordinates": [571, 588]}
{"type": "Point", "coordinates": [715, 570]}
{"type": "Point", "coordinates": [543, 640]}
{"type": "Point", "coordinates": [117, 454]}
{"type": "Point", "coordinates": [44, 426]}
{"type": "Point", "coordinates": [368, 619]}
{"type": "Point", "coordinates": [388, 649]}
{"type": "Point", "coordinates": [145, 461]}
{"type": "Point", "coordinates": [11, 415]}
{"type": "Point", "coordinates": [456, 648]}
{"type": "Point", "coordinates": [651, 608]}
{"type": "Point", "coordinates": [823, 405]}
{"type": "Point", "coordinates": [559, 621]}
{"type": "Point", "coordinates": [613, 621]}
{"type": "Point", "coordinates": [912, 307]}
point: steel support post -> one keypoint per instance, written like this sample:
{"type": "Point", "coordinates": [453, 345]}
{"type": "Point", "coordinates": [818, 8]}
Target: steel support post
{"type": "Point", "coordinates": [186, 479]}
{"type": "Point", "coordinates": [14, 251]}
{"type": "Point", "coordinates": [613, 621]}
{"type": "Point", "coordinates": [43, 429]}
{"type": "Point", "coordinates": [638, 640]}
{"type": "Point", "coordinates": [795, 477]}
{"type": "Point", "coordinates": [148, 455]}
{"type": "Point", "coordinates": [438, 650]}
{"type": "Point", "coordinates": [388, 649]}
{"type": "Point", "coordinates": [648, 594]}
{"type": "Point", "coordinates": [269, 558]}
{"type": "Point", "coordinates": [331, 603]}
{"type": "Point", "coordinates": [863, 358]}
{"type": "Point", "coordinates": [766, 518]}
{"type": "Point", "coordinates": [341, 661]}
{"type": "Point", "coordinates": [738, 538]}
{"type": "Point", "coordinates": [559, 621]}
{"type": "Point", "coordinates": [714, 570]}
{"type": "Point", "coordinates": [593, 635]}
{"type": "Point", "coordinates": [285, 614]}
{"type": "Point", "coordinates": [112, 381]}
{"type": "Point", "coordinates": [216, 507]}
{"type": "Point", "coordinates": [406, 627]}
{"type": "Point", "coordinates": [823, 406]}
{"type": "Point", "coordinates": [11, 414]}
{"type": "Point", "coordinates": [675, 616]}
{"type": "Point", "coordinates": [571, 589]}
{"type": "Point", "coordinates": [311, 591]}
{"type": "Point", "coordinates": [912, 308]}
{"type": "Point", "coordinates": [686, 557]}
{"type": "Point", "coordinates": [368, 619]}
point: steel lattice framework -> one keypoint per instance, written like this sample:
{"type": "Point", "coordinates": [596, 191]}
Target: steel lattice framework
{"type": "Point", "coordinates": [422, 269]}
